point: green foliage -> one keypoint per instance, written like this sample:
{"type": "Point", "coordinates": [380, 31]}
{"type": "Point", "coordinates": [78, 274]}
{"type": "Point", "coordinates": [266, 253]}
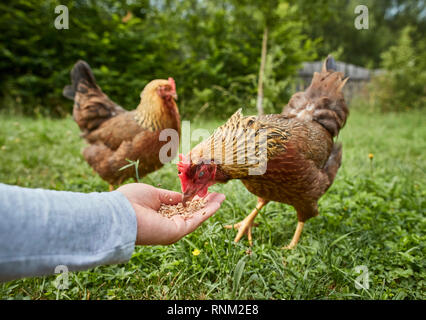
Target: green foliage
{"type": "Point", "coordinates": [37, 58]}
{"type": "Point", "coordinates": [373, 215]}
{"type": "Point", "coordinates": [402, 86]}
{"type": "Point", "coordinates": [212, 49]}
{"type": "Point", "coordinates": [332, 22]}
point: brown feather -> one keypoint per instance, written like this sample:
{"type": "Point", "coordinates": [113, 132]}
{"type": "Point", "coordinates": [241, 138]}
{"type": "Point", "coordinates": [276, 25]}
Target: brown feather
{"type": "Point", "coordinates": [322, 101]}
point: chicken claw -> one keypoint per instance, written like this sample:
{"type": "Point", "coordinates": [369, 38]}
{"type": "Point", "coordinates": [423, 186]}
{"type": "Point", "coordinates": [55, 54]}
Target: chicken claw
{"type": "Point", "coordinates": [245, 226]}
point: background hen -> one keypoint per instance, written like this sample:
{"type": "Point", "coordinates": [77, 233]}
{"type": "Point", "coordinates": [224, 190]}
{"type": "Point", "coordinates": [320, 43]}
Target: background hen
{"type": "Point", "coordinates": [116, 135]}
{"type": "Point", "coordinates": [301, 160]}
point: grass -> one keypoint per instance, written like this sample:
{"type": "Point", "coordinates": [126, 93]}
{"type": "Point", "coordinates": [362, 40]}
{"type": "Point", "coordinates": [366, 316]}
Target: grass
{"type": "Point", "coordinates": [373, 216]}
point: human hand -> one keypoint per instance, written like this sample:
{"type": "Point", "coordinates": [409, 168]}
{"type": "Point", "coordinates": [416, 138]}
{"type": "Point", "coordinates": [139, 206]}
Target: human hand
{"type": "Point", "coordinates": [153, 228]}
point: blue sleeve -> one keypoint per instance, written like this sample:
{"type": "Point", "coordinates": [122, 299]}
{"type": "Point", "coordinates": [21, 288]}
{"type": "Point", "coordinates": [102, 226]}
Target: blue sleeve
{"type": "Point", "coordinates": [41, 229]}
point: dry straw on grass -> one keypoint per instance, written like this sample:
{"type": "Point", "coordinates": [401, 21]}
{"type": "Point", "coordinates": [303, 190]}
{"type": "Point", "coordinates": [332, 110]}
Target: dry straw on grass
{"type": "Point", "coordinates": [169, 210]}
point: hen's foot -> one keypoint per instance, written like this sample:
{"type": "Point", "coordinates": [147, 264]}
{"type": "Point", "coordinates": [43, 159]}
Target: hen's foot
{"type": "Point", "coordinates": [111, 187]}
{"type": "Point", "coordinates": [245, 226]}
{"type": "Point", "coordinates": [296, 236]}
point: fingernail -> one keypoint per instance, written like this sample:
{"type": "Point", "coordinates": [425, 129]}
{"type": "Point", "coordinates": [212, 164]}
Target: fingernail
{"type": "Point", "coordinates": [221, 197]}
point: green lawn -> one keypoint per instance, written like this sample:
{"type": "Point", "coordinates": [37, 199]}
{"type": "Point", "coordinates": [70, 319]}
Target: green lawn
{"type": "Point", "coordinates": [373, 216]}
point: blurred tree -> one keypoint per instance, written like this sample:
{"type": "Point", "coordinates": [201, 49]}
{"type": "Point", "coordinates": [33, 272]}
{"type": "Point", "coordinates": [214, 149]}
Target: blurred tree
{"type": "Point", "coordinates": [332, 21]}
{"type": "Point", "coordinates": [211, 48]}
{"type": "Point", "coordinates": [402, 86]}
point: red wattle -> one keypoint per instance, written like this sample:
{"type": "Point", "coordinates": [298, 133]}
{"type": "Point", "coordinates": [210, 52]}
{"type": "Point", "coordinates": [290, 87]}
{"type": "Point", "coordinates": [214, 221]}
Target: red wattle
{"type": "Point", "coordinates": [202, 193]}
{"type": "Point", "coordinates": [183, 167]}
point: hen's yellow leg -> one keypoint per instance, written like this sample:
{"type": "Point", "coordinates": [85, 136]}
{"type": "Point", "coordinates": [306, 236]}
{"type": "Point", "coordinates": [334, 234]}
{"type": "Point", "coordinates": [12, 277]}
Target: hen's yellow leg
{"type": "Point", "coordinates": [245, 226]}
{"type": "Point", "coordinates": [111, 187]}
{"type": "Point", "coordinates": [296, 236]}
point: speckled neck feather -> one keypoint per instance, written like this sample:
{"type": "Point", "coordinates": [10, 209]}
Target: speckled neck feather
{"type": "Point", "coordinates": [152, 108]}
{"type": "Point", "coordinates": [233, 138]}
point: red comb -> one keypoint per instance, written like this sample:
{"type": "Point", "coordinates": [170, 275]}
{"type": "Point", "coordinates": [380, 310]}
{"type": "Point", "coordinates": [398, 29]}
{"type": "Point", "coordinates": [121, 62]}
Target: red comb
{"type": "Point", "coordinates": [183, 166]}
{"type": "Point", "coordinates": [172, 83]}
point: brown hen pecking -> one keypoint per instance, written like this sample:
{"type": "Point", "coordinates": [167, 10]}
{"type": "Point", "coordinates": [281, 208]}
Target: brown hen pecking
{"type": "Point", "coordinates": [289, 158]}
{"type": "Point", "coordinates": [116, 135]}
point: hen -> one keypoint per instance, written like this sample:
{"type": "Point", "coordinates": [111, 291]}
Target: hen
{"type": "Point", "coordinates": [289, 157]}
{"type": "Point", "coordinates": [116, 135]}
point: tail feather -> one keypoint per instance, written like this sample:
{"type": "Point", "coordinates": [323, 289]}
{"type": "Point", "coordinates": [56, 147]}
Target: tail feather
{"type": "Point", "coordinates": [329, 64]}
{"type": "Point", "coordinates": [91, 106]}
{"type": "Point", "coordinates": [80, 73]}
{"type": "Point", "coordinates": [323, 100]}
{"type": "Point", "coordinates": [69, 92]}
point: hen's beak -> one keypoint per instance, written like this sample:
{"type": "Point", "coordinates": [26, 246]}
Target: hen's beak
{"type": "Point", "coordinates": [175, 96]}
{"type": "Point", "coordinates": [189, 194]}
{"type": "Point", "coordinates": [187, 197]}
{"type": "Point", "coordinates": [192, 191]}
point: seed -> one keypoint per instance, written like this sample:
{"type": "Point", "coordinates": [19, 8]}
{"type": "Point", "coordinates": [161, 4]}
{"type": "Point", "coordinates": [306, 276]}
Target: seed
{"type": "Point", "coordinates": [169, 210]}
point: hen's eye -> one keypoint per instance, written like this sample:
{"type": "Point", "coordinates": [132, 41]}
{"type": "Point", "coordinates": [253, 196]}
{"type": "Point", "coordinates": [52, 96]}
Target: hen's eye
{"type": "Point", "coordinates": [201, 174]}
{"type": "Point", "coordinates": [179, 172]}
